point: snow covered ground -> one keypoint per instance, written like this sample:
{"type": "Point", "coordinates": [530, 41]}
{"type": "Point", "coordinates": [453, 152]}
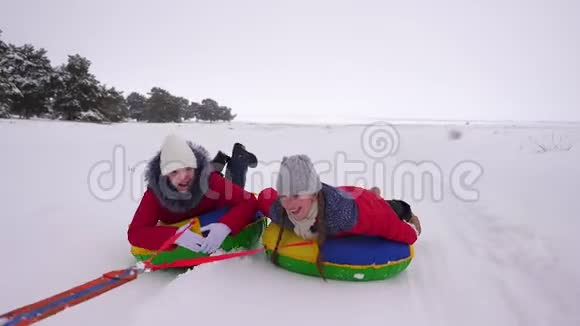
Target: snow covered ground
{"type": "Point", "coordinates": [499, 215]}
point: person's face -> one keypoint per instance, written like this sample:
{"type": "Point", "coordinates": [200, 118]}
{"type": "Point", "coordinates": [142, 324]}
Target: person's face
{"type": "Point", "coordinates": [298, 205]}
{"type": "Point", "coordinates": [181, 179]}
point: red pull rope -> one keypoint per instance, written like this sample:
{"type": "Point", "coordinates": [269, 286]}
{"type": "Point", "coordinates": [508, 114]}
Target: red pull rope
{"type": "Point", "coordinates": [202, 260]}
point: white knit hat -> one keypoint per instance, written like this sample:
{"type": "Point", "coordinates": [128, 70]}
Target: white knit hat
{"type": "Point", "coordinates": [297, 176]}
{"type": "Point", "coordinates": [176, 154]}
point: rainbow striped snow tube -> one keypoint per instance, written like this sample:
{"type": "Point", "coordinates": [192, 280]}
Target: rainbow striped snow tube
{"type": "Point", "coordinates": [247, 238]}
{"type": "Point", "coordinates": [353, 258]}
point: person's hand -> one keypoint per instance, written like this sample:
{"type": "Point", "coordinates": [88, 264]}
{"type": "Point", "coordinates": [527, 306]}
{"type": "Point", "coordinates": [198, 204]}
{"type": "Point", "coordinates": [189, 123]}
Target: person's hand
{"type": "Point", "coordinates": [189, 239]}
{"type": "Point", "coordinates": [414, 220]}
{"type": "Point", "coordinates": [216, 236]}
{"type": "Point", "coordinates": [414, 228]}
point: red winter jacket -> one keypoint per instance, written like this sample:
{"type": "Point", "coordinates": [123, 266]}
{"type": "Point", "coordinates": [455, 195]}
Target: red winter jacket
{"type": "Point", "coordinates": [349, 211]}
{"type": "Point", "coordinates": [144, 230]}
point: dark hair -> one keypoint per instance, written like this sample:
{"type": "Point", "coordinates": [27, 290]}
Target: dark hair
{"type": "Point", "coordinates": [320, 239]}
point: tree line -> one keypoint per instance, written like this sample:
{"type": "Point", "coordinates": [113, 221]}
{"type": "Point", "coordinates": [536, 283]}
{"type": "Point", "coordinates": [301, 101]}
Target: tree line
{"type": "Point", "coordinates": [31, 87]}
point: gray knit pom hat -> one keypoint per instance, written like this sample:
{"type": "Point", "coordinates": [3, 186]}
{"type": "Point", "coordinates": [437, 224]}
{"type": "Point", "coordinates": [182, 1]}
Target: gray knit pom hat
{"type": "Point", "coordinates": [297, 177]}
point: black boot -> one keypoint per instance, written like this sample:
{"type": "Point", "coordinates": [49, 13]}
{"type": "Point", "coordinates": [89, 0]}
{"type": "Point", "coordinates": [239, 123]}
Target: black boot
{"type": "Point", "coordinates": [240, 153]}
{"type": "Point", "coordinates": [237, 167]}
{"type": "Point", "coordinates": [220, 161]}
{"type": "Point", "coordinates": [402, 209]}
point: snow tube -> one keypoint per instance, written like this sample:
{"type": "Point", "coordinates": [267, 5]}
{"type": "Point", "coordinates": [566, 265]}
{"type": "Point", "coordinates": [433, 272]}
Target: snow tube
{"type": "Point", "coordinates": [352, 258]}
{"type": "Point", "coordinates": [247, 238]}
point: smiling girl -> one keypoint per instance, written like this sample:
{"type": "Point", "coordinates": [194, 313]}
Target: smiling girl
{"type": "Point", "coordinates": [183, 183]}
{"type": "Point", "coordinates": [315, 210]}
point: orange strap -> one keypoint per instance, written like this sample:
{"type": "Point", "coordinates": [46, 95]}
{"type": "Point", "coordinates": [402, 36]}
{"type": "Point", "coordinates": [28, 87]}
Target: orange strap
{"type": "Point", "coordinates": [45, 308]}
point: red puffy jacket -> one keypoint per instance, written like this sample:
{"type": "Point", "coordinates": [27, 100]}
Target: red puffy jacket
{"type": "Point", "coordinates": [145, 233]}
{"type": "Point", "coordinates": [375, 217]}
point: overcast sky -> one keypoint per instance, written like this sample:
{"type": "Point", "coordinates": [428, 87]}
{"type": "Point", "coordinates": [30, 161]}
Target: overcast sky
{"type": "Point", "coordinates": [488, 59]}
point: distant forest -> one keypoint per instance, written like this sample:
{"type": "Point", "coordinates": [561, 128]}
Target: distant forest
{"type": "Point", "coordinates": [31, 87]}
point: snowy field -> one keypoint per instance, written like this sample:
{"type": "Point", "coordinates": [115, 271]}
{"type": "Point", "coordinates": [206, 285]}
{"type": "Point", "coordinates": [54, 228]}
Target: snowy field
{"type": "Point", "coordinates": [499, 212]}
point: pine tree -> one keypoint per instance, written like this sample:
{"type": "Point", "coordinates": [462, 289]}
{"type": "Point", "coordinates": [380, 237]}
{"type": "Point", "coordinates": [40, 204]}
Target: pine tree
{"type": "Point", "coordinates": [3, 46]}
{"type": "Point", "coordinates": [136, 104]}
{"type": "Point", "coordinates": [192, 111]}
{"type": "Point", "coordinates": [7, 89]}
{"type": "Point", "coordinates": [161, 106]}
{"type": "Point", "coordinates": [112, 105]}
{"type": "Point", "coordinates": [78, 93]}
{"type": "Point", "coordinates": [211, 111]}
{"type": "Point", "coordinates": [207, 110]}
{"type": "Point", "coordinates": [35, 75]}
{"type": "Point", "coordinates": [25, 80]}
{"type": "Point", "coordinates": [183, 106]}
{"type": "Point", "coordinates": [225, 114]}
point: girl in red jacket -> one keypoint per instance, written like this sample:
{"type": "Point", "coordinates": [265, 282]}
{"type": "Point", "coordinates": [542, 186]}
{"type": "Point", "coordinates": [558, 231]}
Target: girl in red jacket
{"type": "Point", "coordinates": [315, 210]}
{"type": "Point", "coordinates": [183, 183]}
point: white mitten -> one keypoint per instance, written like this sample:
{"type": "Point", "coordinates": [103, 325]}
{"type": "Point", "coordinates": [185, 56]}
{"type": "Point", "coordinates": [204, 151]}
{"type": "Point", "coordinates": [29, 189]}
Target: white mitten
{"type": "Point", "coordinates": [189, 240]}
{"type": "Point", "coordinates": [217, 234]}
